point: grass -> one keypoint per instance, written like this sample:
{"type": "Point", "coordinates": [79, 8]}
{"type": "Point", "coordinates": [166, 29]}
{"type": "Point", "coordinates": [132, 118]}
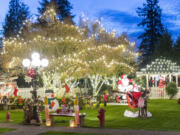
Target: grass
{"type": "Point", "coordinates": [165, 116]}
{"type": "Point", "coordinates": [3, 130]}
{"type": "Point", "coordinates": [64, 133]}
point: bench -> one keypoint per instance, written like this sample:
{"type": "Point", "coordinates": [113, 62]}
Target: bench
{"type": "Point", "coordinates": [81, 117]}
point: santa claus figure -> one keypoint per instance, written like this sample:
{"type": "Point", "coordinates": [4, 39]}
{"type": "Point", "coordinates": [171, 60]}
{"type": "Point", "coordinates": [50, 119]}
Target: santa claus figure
{"type": "Point", "coordinates": [123, 84]}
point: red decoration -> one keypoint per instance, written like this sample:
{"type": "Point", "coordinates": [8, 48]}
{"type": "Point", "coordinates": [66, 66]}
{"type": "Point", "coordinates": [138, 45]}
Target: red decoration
{"type": "Point", "coordinates": [20, 100]}
{"type": "Point", "coordinates": [31, 73]}
{"type": "Point", "coordinates": [119, 82]}
{"type": "Point", "coordinates": [162, 83]}
{"type": "Point", "coordinates": [105, 97]}
{"type": "Point", "coordinates": [63, 100]}
{"type": "Point", "coordinates": [117, 99]}
{"type": "Point", "coordinates": [67, 88]}
{"type": "Point", "coordinates": [52, 104]}
{"type": "Point", "coordinates": [8, 116]}
{"type": "Point", "coordinates": [15, 92]}
{"type": "Point", "coordinates": [132, 98]}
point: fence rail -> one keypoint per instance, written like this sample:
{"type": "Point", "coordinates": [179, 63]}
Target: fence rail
{"type": "Point", "coordinates": [155, 93]}
{"type": "Point", "coordinates": [160, 93]}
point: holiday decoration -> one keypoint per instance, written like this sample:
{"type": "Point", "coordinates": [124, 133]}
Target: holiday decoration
{"type": "Point", "coordinates": [162, 82]}
{"type": "Point", "coordinates": [117, 99]}
{"type": "Point", "coordinates": [31, 73]}
{"type": "Point", "coordinates": [67, 88]}
{"type": "Point", "coordinates": [8, 117]}
{"type": "Point", "coordinates": [132, 98]}
{"type": "Point", "coordinates": [52, 101]}
{"type": "Point", "coordinates": [105, 99]}
{"type": "Point", "coordinates": [48, 121]}
{"type": "Point", "coordinates": [15, 92]}
{"type": "Point", "coordinates": [76, 109]}
{"type": "Point", "coordinates": [126, 85]}
{"type": "Point", "coordinates": [72, 123]}
{"type": "Point", "coordinates": [161, 66]}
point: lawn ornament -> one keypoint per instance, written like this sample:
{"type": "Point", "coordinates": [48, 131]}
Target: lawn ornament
{"type": "Point", "coordinates": [142, 104]}
{"type": "Point", "coordinates": [52, 101]}
{"type": "Point", "coordinates": [132, 99]}
{"type": "Point", "coordinates": [137, 100]}
{"type": "Point", "coordinates": [105, 99]}
{"type": "Point", "coordinates": [126, 85]}
{"type": "Point", "coordinates": [123, 84]}
{"type": "Point", "coordinates": [8, 117]}
{"type": "Point", "coordinates": [76, 109]}
{"type": "Point", "coordinates": [48, 121]}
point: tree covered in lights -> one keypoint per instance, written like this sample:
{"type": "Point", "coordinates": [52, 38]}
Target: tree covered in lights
{"type": "Point", "coordinates": [72, 56]}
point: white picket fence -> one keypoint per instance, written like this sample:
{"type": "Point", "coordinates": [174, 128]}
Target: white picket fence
{"type": "Point", "coordinates": [156, 93]}
{"type": "Point", "coordinates": [26, 92]}
{"type": "Point", "coordinates": [160, 93]}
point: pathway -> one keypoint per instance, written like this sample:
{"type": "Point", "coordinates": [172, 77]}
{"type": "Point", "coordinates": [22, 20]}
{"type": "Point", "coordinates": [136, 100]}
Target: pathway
{"type": "Point", "coordinates": [36, 130]}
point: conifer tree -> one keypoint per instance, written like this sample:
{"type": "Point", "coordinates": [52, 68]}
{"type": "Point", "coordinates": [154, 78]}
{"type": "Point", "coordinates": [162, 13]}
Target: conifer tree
{"type": "Point", "coordinates": [153, 28]}
{"type": "Point", "coordinates": [62, 7]}
{"type": "Point", "coordinates": [17, 14]}
{"type": "Point", "coordinates": [165, 46]}
{"type": "Point", "coordinates": [176, 50]}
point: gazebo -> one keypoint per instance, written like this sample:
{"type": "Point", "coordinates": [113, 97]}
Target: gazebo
{"type": "Point", "coordinates": [160, 67]}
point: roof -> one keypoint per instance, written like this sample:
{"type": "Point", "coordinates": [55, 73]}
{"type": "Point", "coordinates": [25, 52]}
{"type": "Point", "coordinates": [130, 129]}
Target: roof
{"type": "Point", "coordinates": [160, 66]}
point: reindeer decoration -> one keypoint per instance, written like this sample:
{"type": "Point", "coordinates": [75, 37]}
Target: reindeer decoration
{"type": "Point", "coordinates": [142, 104]}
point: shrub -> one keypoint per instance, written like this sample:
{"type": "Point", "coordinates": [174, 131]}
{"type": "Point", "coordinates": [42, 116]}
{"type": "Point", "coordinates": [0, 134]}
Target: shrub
{"type": "Point", "coordinates": [171, 89]}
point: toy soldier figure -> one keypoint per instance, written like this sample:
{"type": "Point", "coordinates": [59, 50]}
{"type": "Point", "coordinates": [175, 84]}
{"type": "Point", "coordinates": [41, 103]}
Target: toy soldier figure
{"type": "Point", "coordinates": [5, 101]}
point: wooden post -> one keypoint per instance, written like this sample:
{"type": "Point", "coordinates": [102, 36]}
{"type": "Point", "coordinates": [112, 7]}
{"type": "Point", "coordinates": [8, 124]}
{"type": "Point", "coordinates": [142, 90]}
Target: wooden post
{"type": "Point", "coordinates": [147, 81]}
{"type": "Point", "coordinates": [177, 80]}
{"type": "Point", "coordinates": [169, 77]}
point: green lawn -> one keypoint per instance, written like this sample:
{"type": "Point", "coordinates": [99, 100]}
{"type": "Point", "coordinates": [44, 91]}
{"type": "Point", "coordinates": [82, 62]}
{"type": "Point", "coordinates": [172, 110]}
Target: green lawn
{"type": "Point", "coordinates": [3, 130]}
{"type": "Point", "coordinates": [63, 133]}
{"type": "Point", "coordinates": [166, 116]}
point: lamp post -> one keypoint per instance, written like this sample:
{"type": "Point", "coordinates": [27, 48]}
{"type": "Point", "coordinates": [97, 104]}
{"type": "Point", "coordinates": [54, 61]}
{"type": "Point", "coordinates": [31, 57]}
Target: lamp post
{"type": "Point", "coordinates": [33, 65]}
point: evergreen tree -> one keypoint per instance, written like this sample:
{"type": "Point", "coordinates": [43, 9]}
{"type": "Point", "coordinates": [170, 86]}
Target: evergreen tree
{"type": "Point", "coordinates": [153, 28]}
{"type": "Point", "coordinates": [176, 50]}
{"type": "Point", "coordinates": [165, 46]}
{"type": "Point", "coordinates": [62, 7]}
{"type": "Point", "coordinates": [17, 14]}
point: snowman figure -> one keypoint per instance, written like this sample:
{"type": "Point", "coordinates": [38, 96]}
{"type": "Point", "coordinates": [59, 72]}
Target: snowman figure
{"type": "Point", "coordinates": [52, 101]}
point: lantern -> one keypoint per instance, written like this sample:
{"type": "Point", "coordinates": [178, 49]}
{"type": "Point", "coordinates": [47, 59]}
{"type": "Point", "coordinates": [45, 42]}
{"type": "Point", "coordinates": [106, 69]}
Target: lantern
{"type": "Point", "coordinates": [72, 123]}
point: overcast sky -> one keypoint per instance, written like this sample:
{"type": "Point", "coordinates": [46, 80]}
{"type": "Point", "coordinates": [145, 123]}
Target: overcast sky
{"type": "Point", "coordinates": [117, 14]}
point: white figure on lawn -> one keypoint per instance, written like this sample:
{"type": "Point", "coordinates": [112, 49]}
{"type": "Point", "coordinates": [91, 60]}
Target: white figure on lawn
{"type": "Point", "coordinates": [125, 86]}
{"type": "Point", "coordinates": [52, 101]}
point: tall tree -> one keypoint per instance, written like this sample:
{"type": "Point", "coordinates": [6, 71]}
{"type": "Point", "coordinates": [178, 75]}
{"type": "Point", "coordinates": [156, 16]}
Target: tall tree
{"type": "Point", "coordinates": [176, 50]}
{"type": "Point", "coordinates": [165, 46]}
{"type": "Point", "coordinates": [153, 28]}
{"type": "Point", "coordinates": [62, 7]}
{"type": "Point", "coordinates": [17, 14]}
